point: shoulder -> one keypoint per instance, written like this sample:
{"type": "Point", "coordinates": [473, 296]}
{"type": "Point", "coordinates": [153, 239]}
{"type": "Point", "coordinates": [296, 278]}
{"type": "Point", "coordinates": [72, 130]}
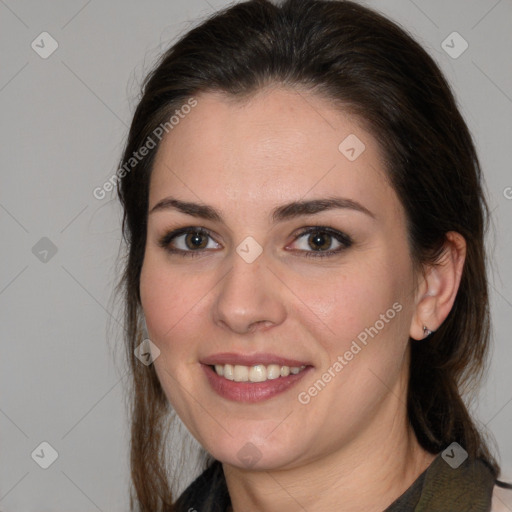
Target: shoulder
{"type": "Point", "coordinates": [501, 497]}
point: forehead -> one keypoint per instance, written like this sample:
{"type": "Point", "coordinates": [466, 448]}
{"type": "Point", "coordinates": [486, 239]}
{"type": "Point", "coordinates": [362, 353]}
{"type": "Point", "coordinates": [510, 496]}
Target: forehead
{"type": "Point", "coordinates": [279, 144]}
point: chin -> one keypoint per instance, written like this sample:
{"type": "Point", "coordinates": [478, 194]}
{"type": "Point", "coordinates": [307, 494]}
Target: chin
{"type": "Point", "coordinates": [255, 453]}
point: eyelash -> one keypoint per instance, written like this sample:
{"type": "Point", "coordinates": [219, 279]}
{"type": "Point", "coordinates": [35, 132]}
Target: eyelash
{"type": "Point", "coordinates": [342, 238]}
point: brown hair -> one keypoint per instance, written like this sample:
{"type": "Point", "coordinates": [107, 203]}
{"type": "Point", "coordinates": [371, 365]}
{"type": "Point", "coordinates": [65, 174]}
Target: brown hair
{"type": "Point", "coordinates": [374, 69]}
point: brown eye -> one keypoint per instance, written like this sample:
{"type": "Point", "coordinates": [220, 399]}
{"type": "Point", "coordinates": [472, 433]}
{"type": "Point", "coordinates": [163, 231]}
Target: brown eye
{"type": "Point", "coordinates": [319, 241]}
{"type": "Point", "coordinates": [322, 241]}
{"type": "Point", "coordinates": [196, 240]}
{"type": "Point", "coordinates": [188, 241]}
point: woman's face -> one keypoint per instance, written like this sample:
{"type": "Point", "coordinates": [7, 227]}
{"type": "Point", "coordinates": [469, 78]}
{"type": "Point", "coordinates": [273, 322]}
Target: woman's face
{"type": "Point", "coordinates": [301, 264]}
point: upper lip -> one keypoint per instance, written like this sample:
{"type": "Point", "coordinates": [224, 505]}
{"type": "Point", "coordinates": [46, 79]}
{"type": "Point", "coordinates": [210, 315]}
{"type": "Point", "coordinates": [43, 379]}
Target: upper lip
{"type": "Point", "coordinates": [251, 359]}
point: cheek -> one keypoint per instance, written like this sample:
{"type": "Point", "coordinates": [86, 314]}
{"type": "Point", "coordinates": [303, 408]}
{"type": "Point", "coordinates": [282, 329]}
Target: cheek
{"type": "Point", "coordinates": [170, 300]}
{"type": "Point", "coordinates": [368, 311]}
{"type": "Point", "coordinates": [356, 298]}
{"type": "Point", "coordinates": [171, 303]}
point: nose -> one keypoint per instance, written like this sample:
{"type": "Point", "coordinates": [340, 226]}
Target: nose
{"type": "Point", "coordinates": [250, 297]}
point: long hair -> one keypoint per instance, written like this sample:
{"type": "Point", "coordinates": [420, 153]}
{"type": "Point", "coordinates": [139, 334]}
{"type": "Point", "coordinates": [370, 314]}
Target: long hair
{"type": "Point", "coordinates": [372, 68]}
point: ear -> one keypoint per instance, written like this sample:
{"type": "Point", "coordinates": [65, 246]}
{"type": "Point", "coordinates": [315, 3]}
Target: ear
{"type": "Point", "coordinates": [438, 287]}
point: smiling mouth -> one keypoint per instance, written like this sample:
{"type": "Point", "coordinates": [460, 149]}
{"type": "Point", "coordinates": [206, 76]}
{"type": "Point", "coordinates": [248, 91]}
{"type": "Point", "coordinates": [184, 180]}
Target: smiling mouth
{"type": "Point", "coordinates": [255, 373]}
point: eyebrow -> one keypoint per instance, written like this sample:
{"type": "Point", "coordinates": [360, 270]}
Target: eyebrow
{"type": "Point", "coordinates": [279, 214]}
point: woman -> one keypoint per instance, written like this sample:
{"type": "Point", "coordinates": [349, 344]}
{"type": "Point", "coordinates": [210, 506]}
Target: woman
{"type": "Point", "coordinates": [304, 220]}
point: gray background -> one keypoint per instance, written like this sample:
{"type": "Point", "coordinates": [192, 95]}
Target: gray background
{"type": "Point", "coordinates": [64, 119]}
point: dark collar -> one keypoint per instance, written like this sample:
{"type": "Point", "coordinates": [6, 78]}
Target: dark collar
{"type": "Point", "coordinates": [440, 488]}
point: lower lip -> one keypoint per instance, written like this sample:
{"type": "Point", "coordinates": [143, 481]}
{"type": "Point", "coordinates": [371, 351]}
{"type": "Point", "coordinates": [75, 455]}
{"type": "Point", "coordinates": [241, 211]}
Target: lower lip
{"type": "Point", "coordinates": [251, 391]}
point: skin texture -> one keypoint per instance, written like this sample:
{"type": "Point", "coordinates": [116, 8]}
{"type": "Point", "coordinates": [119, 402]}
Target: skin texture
{"type": "Point", "coordinates": [350, 447]}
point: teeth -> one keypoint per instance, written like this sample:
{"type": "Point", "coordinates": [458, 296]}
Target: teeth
{"type": "Point", "coordinates": [241, 373]}
{"type": "Point", "coordinates": [256, 373]}
{"type": "Point", "coordinates": [228, 372]}
{"type": "Point", "coordinates": [273, 371]}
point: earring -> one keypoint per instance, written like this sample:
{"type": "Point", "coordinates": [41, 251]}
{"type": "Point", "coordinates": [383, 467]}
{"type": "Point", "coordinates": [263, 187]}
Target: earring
{"type": "Point", "coordinates": [426, 331]}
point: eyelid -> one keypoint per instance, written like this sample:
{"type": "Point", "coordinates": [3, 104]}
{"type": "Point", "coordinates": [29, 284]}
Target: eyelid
{"type": "Point", "coordinates": [169, 236]}
{"type": "Point", "coordinates": [342, 237]}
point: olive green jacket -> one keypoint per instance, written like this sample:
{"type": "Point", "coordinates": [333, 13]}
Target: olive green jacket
{"type": "Point", "coordinates": [440, 488]}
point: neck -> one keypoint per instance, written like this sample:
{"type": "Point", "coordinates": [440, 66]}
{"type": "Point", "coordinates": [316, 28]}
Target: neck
{"type": "Point", "coordinates": [366, 476]}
